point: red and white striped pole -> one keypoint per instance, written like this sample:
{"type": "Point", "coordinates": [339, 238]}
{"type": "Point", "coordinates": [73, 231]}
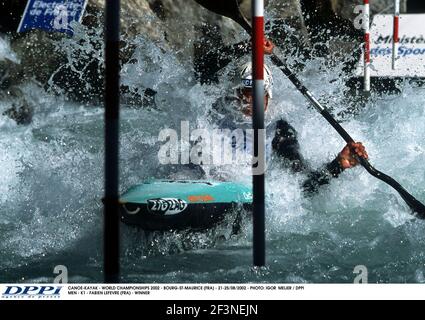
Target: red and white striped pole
{"type": "Point", "coordinates": [366, 26]}
{"type": "Point", "coordinates": [259, 236]}
{"type": "Point", "coordinates": [396, 33]}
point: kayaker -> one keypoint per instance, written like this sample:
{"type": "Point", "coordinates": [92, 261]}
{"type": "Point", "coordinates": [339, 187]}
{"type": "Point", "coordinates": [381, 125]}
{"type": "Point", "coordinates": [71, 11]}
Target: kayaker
{"type": "Point", "coordinates": [234, 112]}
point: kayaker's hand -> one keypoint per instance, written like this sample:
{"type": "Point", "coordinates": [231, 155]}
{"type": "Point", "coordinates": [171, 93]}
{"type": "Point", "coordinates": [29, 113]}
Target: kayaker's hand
{"type": "Point", "coordinates": [268, 46]}
{"type": "Point", "coordinates": [348, 157]}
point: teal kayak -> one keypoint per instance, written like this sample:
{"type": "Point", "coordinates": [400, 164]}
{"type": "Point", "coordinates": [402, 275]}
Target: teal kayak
{"type": "Point", "coordinates": [185, 204]}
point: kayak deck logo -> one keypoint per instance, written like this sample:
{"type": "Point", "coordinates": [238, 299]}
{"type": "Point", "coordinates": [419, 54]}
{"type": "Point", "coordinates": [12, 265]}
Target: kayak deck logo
{"type": "Point", "coordinates": [167, 206]}
{"type": "Point", "coordinates": [31, 292]}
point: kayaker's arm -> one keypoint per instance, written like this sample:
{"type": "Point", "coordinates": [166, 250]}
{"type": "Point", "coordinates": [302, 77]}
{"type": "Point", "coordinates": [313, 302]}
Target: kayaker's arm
{"type": "Point", "coordinates": [347, 158]}
{"type": "Point", "coordinates": [322, 176]}
{"type": "Point", "coordinates": [285, 145]}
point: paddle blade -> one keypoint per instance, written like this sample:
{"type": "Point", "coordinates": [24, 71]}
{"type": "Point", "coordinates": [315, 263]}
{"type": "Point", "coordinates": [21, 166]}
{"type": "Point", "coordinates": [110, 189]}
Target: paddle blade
{"type": "Point", "coordinates": [417, 207]}
{"type": "Point", "coordinates": [227, 8]}
{"type": "Point", "coordinates": [231, 9]}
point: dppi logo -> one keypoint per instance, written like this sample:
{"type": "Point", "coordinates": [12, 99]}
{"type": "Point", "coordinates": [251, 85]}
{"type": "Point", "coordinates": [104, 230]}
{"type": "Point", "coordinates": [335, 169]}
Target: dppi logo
{"type": "Point", "coordinates": [167, 206]}
{"type": "Point", "coordinates": [31, 292]}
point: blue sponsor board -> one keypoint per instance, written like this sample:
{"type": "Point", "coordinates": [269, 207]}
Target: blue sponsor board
{"type": "Point", "coordinates": [402, 51]}
{"type": "Point", "coordinates": [52, 16]}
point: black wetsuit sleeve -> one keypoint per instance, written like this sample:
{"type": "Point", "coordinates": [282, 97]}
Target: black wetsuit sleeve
{"type": "Point", "coordinates": [322, 176]}
{"type": "Point", "coordinates": [285, 145]}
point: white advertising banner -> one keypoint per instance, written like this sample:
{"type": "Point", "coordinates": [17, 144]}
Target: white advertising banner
{"type": "Point", "coordinates": [411, 51]}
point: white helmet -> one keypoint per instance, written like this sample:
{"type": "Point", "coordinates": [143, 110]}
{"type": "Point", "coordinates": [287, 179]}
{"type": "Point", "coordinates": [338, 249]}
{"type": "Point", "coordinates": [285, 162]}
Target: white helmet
{"type": "Point", "coordinates": [244, 78]}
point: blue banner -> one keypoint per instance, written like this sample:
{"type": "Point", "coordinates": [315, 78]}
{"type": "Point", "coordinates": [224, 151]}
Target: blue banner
{"type": "Point", "coordinates": [52, 15]}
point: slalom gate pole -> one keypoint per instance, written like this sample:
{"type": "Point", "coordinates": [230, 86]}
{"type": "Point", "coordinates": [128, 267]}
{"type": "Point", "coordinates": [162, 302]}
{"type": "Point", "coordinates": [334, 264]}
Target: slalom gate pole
{"type": "Point", "coordinates": [366, 21]}
{"type": "Point", "coordinates": [396, 32]}
{"type": "Point", "coordinates": [259, 238]}
{"type": "Point", "coordinates": [111, 241]}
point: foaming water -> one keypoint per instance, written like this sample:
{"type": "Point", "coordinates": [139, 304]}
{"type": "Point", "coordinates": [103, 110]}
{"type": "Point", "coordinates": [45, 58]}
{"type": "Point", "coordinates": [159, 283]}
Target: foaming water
{"type": "Point", "coordinates": [6, 53]}
{"type": "Point", "coordinates": [52, 183]}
